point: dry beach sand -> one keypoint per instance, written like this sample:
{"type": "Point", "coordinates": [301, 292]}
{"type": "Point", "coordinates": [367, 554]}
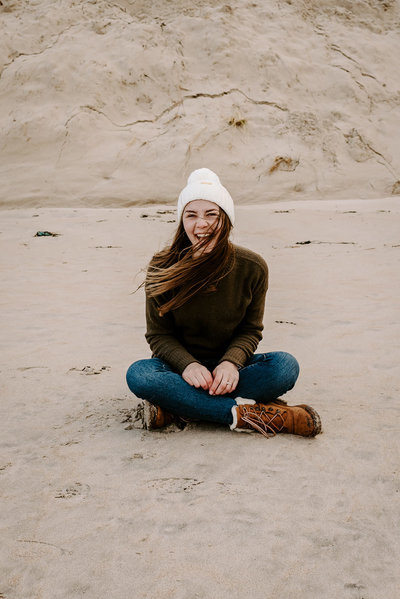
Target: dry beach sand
{"type": "Point", "coordinates": [106, 107]}
{"type": "Point", "coordinates": [94, 507]}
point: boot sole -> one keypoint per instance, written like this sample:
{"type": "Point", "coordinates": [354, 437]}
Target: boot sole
{"type": "Point", "coordinates": [315, 418]}
{"type": "Point", "coordinates": [149, 419]}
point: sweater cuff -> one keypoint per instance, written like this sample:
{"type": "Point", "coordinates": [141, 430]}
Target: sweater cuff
{"type": "Point", "coordinates": [235, 355]}
{"type": "Point", "coordinates": [180, 360]}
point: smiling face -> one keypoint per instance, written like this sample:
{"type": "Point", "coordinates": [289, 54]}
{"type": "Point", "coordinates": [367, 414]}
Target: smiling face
{"type": "Point", "coordinates": [199, 219]}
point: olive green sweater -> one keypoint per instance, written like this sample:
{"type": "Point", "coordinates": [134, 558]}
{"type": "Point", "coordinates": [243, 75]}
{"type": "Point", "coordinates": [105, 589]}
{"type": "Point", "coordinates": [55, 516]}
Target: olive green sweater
{"type": "Point", "coordinates": [225, 324]}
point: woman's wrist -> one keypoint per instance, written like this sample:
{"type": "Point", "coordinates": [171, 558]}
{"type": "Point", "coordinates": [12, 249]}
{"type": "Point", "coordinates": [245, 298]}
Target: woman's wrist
{"type": "Point", "coordinates": [238, 366]}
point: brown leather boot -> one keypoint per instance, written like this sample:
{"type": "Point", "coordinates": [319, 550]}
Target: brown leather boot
{"type": "Point", "coordinates": [155, 417]}
{"type": "Point", "coordinates": [272, 418]}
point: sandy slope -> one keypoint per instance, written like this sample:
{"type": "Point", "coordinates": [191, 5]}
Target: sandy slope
{"type": "Point", "coordinates": [100, 99]}
{"type": "Point", "coordinates": [92, 507]}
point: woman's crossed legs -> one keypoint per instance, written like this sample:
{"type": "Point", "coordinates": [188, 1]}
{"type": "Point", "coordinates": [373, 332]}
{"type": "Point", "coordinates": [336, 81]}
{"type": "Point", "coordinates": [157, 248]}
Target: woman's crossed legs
{"type": "Point", "coordinates": [264, 378]}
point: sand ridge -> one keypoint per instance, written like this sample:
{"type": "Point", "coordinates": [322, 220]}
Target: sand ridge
{"type": "Point", "coordinates": [100, 99]}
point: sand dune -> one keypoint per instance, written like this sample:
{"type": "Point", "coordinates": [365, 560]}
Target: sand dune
{"type": "Point", "coordinates": [286, 100]}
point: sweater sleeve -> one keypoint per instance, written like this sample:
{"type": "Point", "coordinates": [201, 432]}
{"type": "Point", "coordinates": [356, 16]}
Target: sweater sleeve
{"type": "Point", "coordinates": [249, 332]}
{"type": "Point", "coordinates": [160, 336]}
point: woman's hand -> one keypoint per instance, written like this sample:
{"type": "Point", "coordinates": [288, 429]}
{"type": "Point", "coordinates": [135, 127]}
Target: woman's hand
{"type": "Point", "coordinates": [226, 378]}
{"type": "Point", "coordinates": [198, 376]}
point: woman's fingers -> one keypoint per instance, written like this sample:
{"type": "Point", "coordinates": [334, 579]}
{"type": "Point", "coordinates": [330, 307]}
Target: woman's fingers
{"type": "Point", "coordinates": [224, 387]}
{"type": "Point", "coordinates": [223, 380]}
{"type": "Point", "coordinates": [197, 375]}
{"type": "Point", "coordinates": [204, 378]}
{"type": "Point", "coordinates": [200, 381]}
{"type": "Point", "coordinates": [226, 378]}
{"type": "Point", "coordinates": [232, 386]}
{"type": "Point", "coordinates": [207, 378]}
{"type": "Point", "coordinates": [214, 389]}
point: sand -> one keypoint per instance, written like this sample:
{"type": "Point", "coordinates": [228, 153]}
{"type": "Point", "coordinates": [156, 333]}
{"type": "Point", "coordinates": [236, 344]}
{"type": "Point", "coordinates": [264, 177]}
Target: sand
{"type": "Point", "coordinates": [106, 107]}
{"type": "Point", "coordinates": [284, 99]}
{"type": "Point", "coordinates": [94, 507]}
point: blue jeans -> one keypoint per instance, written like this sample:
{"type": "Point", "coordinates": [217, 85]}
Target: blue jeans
{"type": "Point", "coordinates": [264, 378]}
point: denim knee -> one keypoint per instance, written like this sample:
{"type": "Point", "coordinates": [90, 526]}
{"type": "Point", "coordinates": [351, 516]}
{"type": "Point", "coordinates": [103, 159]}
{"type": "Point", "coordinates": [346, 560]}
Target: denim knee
{"type": "Point", "coordinates": [136, 378]}
{"type": "Point", "coordinates": [288, 366]}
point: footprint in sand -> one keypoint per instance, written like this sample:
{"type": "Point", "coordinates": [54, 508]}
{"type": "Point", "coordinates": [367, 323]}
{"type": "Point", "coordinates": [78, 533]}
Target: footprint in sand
{"type": "Point", "coordinates": [90, 369]}
{"type": "Point", "coordinates": [138, 456]}
{"type": "Point", "coordinates": [175, 485]}
{"type": "Point", "coordinates": [165, 216]}
{"type": "Point", "coordinates": [2, 468]}
{"type": "Point", "coordinates": [78, 490]}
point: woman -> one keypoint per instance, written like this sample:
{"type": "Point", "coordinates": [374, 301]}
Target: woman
{"type": "Point", "coordinates": [204, 310]}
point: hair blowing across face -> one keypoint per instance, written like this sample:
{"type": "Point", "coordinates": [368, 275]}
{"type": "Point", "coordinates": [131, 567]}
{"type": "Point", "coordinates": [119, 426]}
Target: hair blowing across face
{"type": "Point", "coordinates": [181, 270]}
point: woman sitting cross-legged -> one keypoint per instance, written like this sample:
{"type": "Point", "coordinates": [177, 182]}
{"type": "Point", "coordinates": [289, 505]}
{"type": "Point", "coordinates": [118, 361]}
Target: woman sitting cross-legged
{"type": "Point", "coordinates": [204, 309]}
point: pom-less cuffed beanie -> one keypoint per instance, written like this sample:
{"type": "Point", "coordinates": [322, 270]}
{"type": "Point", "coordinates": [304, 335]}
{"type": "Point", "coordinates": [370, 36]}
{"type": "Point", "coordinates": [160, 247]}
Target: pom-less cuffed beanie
{"type": "Point", "coordinates": [204, 184]}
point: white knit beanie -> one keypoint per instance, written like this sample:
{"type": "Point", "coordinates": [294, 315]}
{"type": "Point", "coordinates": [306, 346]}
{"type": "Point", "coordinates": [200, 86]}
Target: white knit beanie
{"type": "Point", "coordinates": [203, 184]}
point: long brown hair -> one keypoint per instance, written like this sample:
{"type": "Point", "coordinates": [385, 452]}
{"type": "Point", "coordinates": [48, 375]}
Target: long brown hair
{"type": "Point", "coordinates": [181, 270]}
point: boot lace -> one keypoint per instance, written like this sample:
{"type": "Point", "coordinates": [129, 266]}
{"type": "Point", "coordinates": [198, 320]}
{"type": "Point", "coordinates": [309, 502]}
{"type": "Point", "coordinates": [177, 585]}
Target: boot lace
{"type": "Point", "coordinates": [266, 423]}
